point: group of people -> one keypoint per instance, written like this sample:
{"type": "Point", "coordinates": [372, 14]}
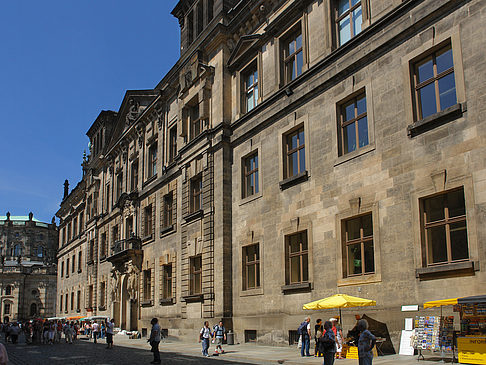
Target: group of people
{"type": "Point", "coordinates": [49, 332]}
{"type": "Point", "coordinates": [217, 334]}
{"type": "Point", "coordinates": [329, 340]}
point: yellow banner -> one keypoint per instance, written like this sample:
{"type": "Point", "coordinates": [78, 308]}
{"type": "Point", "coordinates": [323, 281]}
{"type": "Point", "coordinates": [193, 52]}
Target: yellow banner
{"type": "Point", "coordinates": [472, 350]}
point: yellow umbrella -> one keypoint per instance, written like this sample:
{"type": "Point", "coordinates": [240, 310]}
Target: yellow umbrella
{"type": "Point", "coordinates": [339, 301]}
{"type": "Point", "coordinates": [440, 303]}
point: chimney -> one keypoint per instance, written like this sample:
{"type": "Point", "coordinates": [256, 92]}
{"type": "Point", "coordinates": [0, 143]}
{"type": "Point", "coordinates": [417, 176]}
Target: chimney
{"type": "Point", "coordinates": [31, 215]}
{"type": "Point", "coordinates": [8, 216]}
{"type": "Point", "coordinates": [66, 189]}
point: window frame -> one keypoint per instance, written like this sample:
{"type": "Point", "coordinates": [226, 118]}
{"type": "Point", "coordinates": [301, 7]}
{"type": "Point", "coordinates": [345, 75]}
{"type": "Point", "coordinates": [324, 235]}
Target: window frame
{"type": "Point", "coordinates": [252, 174]}
{"type": "Point", "coordinates": [152, 160]}
{"type": "Point", "coordinates": [196, 195]}
{"type": "Point", "coordinates": [195, 275]}
{"type": "Point", "coordinates": [148, 220]}
{"type": "Point", "coordinates": [362, 240]}
{"type": "Point", "coordinates": [254, 265]}
{"type": "Point", "coordinates": [344, 123]}
{"type": "Point", "coordinates": [134, 169]}
{"type": "Point", "coordinates": [288, 153]}
{"type": "Point", "coordinates": [337, 18]}
{"type": "Point", "coordinates": [251, 68]}
{"type": "Point", "coordinates": [446, 222]}
{"type": "Point", "coordinates": [167, 281]}
{"type": "Point", "coordinates": [172, 143]}
{"type": "Point", "coordinates": [301, 254]}
{"type": "Point", "coordinates": [196, 122]}
{"type": "Point", "coordinates": [284, 40]}
{"type": "Point", "coordinates": [168, 210]}
{"type": "Point", "coordinates": [416, 86]}
{"type": "Point", "coordinates": [147, 285]}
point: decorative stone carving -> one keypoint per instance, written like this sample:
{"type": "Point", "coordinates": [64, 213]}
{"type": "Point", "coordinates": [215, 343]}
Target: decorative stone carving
{"type": "Point", "coordinates": [132, 272]}
{"type": "Point", "coordinates": [133, 111]}
{"type": "Point", "coordinates": [115, 279]}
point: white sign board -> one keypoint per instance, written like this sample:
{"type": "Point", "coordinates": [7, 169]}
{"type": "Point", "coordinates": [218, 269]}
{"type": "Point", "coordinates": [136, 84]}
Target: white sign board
{"type": "Point", "coordinates": [410, 308]}
{"type": "Point", "coordinates": [408, 324]}
{"type": "Point", "coordinates": [406, 347]}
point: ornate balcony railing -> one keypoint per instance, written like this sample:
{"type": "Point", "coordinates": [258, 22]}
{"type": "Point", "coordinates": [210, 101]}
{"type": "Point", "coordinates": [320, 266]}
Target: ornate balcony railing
{"type": "Point", "coordinates": [125, 248]}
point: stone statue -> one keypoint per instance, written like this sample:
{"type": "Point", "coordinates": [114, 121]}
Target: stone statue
{"type": "Point", "coordinates": [132, 272]}
{"type": "Point", "coordinates": [115, 279]}
{"type": "Point", "coordinates": [132, 114]}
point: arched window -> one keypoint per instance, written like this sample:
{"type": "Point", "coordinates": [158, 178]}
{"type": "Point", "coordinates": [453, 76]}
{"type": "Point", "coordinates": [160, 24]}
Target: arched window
{"type": "Point", "coordinates": [8, 290]}
{"type": "Point", "coordinates": [17, 250]}
{"type": "Point", "coordinates": [33, 309]}
{"type": "Point", "coordinates": [40, 251]}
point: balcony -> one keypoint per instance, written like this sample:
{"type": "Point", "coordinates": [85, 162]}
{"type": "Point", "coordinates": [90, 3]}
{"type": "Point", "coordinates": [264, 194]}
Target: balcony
{"type": "Point", "coordinates": [123, 250]}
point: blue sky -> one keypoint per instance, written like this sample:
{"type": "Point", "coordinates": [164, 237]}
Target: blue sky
{"type": "Point", "coordinates": [62, 62]}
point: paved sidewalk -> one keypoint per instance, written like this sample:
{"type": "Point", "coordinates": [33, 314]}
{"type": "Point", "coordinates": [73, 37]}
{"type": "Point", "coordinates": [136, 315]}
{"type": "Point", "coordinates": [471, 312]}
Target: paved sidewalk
{"type": "Point", "coordinates": [259, 354]}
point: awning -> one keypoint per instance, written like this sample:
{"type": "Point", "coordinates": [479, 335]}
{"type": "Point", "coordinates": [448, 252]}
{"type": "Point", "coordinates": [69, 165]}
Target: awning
{"type": "Point", "coordinates": [339, 301]}
{"type": "Point", "coordinates": [453, 301]}
{"type": "Point", "coordinates": [74, 318]}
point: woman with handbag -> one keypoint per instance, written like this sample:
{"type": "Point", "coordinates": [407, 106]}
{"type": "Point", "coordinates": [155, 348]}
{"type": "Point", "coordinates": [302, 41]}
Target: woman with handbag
{"type": "Point", "coordinates": [328, 344]}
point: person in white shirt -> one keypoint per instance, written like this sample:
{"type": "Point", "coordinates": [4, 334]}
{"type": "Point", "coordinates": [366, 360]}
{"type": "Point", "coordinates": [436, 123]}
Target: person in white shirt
{"type": "Point", "coordinates": [96, 330]}
{"type": "Point", "coordinates": [109, 333]}
{"type": "Point", "coordinates": [204, 336]}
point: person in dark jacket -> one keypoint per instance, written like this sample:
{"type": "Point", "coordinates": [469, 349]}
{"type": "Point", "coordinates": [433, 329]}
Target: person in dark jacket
{"type": "Point", "coordinates": [317, 335]}
{"type": "Point", "coordinates": [366, 343]}
{"type": "Point", "coordinates": [328, 344]}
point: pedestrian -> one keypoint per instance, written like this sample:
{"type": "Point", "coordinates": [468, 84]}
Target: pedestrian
{"type": "Point", "coordinates": [155, 340]}
{"type": "Point", "coordinates": [109, 333]}
{"type": "Point", "coordinates": [219, 335]}
{"type": "Point", "coordinates": [366, 343]}
{"type": "Point", "coordinates": [96, 330]}
{"type": "Point", "coordinates": [14, 332]}
{"type": "Point", "coordinates": [3, 355]}
{"type": "Point", "coordinates": [69, 333]}
{"type": "Point", "coordinates": [336, 328]}
{"type": "Point", "coordinates": [204, 336]}
{"type": "Point", "coordinates": [318, 329]}
{"type": "Point", "coordinates": [102, 330]}
{"type": "Point", "coordinates": [328, 344]}
{"type": "Point", "coordinates": [305, 333]}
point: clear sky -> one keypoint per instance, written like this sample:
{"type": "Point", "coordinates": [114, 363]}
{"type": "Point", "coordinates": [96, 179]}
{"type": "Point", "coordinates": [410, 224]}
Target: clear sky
{"type": "Point", "coordinates": [61, 63]}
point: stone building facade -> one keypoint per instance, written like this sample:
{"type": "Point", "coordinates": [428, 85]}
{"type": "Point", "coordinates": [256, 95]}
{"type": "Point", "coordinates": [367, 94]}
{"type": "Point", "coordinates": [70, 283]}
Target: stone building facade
{"type": "Point", "coordinates": [28, 268]}
{"type": "Point", "coordinates": [295, 150]}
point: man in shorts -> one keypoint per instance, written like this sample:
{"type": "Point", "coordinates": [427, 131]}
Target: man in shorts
{"type": "Point", "coordinates": [219, 335]}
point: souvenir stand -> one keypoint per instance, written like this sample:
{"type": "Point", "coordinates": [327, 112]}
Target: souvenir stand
{"type": "Point", "coordinates": [471, 339]}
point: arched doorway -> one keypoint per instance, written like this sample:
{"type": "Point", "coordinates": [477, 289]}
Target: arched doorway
{"type": "Point", "coordinates": [128, 307]}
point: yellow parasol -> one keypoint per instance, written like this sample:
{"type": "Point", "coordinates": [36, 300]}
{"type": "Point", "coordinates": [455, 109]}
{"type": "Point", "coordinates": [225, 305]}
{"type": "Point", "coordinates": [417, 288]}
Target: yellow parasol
{"type": "Point", "coordinates": [73, 318]}
{"type": "Point", "coordinates": [339, 301]}
{"type": "Point", "coordinates": [440, 303]}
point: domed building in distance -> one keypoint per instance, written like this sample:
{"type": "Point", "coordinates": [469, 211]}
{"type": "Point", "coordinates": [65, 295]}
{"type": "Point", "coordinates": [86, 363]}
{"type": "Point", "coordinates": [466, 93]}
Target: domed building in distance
{"type": "Point", "coordinates": [27, 268]}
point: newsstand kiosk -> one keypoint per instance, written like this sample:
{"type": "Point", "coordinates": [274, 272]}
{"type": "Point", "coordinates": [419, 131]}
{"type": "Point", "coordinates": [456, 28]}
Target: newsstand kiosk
{"type": "Point", "coordinates": [471, 339]}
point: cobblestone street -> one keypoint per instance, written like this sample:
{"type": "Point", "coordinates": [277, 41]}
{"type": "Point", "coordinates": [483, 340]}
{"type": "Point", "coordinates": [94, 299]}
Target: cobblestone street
{"type": "Point", "coordinates": [84, 352]}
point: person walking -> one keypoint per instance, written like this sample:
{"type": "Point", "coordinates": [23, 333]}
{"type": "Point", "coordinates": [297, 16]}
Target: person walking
{"type": "Point", "coordinates": [155, 340]}
{"type": "Point", "coordinates": [109, 333]}
{"type": "Point", "coordinates": [14, 332]}
{"type": "Point", "coordinates": [336, 328]}
{"type": "Point", "coordinates": [96, 331]}
{"type": "Point", "coordinates": [219, 335]}
{"type": "Point", "coordinates": [204, 336]}
{"type": "Point", "coordinates": [328, 344]}
{"type": "Point", "coordinates": [318, 329]}
{"type": "Point", "coordinates": [305, 332]}
{"type": "Point", "coordinates": [366, 343]}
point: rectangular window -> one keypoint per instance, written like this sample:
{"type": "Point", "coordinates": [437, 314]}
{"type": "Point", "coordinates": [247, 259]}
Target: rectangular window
{"type": "Point", "coordinates": [293, 55]}
{"type": "Point", "coordinates": [66, 298]}
{"type": "Point", "coordinates": [250, 335]}
{"type": "Point", "coordinates": [67, 267]}
{"type": "Point", "coordinates": [250, 175]}
{"type": "Point", "coordinates": [80, 261]}
{"type": "Point", "coordinates": [102, 293]}
{"type": "Point", "coordinates": [251, 267]}
{"type": "Point", "coordinates": [81, 223]}
{"type": "Point", "coordinates": [167, 281]}
{"type": "Point", "coordinates": [444, 228]}
{"type": "Point", "coordinates": [250, 87]}
{"type": "Point", "coordinates": [6, 308]}
{"type": "Point", "coordinates": [115, 234]}
{"type": "Point", "coordinates": [196, 122]}
{"type": "Point", "coordinates": [147, 285]}
{"type": "Point", "coordinates": [129, 227]}
{"type": "Point", "coordinates": [200, 19]}
{"type": "Point", "coordinates": [294, 145]}
{"type": "Point", "coordinates": [72, 301]}
{"type": "Point", "coordinates": [75, 226]}
{"type": "Point", "coordinates": [152, 161]}
{"type": "Point", "coordinates": [349, 19]}
{"type": "Point", "coordinates": [108, 192]}
{"type": "Point", "coordinates": [60, 303]}
{"type": "Point", "coordinates": [69, 231]}
{"type": "Point", "coordinates": [433, 82]}
{"type": "Point", "coordinates": [104, 245]}
{"type": "Point", "coordinates": [172, 143]}
{"type": "Point", "coordinates": [358, 245]}
{"type": "Point", "coordinates": [168, 207]}
{"type": "Point", "coordinates": [90, 296]}
{"type": "Point", "coordinates": [196, 194]}
{"type": "Point", "coordinates": [147, 226]}
{"type": "Point", "coordinates": [73, 264]}
{"type": "Point", "coordinates": [190, 27]}
{"type": "Point", "coordinates": [119, 185]}
{"type": "Point", "coordinates": [78, 301]}
{"type": "Point", "coordinates": [297, 261]}
{"type": "Point", "coordinates": [62, 269]}
{"type": "Point", "coordinates": [353, 125]}
{"type": "Point", "coordinates": [195, 275]}
{"type": "Point", "coordinates": [210, 10]}
{"type": "Point", "coordinates": [134, 177]}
